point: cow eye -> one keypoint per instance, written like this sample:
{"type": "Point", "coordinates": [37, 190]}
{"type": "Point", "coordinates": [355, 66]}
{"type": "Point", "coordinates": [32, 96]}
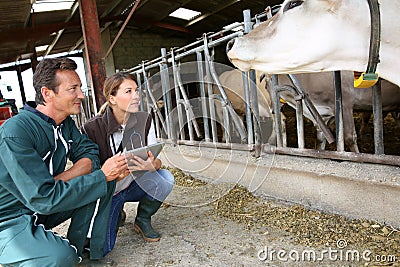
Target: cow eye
{"type": "Point", "coordinates": [292, 4]}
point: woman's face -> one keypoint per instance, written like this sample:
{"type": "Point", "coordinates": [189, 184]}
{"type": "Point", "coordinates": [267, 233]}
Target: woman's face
{"type": "Point", "coordinates": [127, 97]}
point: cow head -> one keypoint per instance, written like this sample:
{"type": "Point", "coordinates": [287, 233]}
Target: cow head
{"type": "Point", "coordinates": [307, 36]}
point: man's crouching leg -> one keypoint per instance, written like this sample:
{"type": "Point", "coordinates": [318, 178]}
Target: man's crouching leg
{"type": "Point", "coordinates": [32, 245]}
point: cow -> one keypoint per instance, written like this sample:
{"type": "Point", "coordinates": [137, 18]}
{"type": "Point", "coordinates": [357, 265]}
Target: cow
{"type": "Point", "coordinates": [319, 36]}
{"type": "Point", "coordinates": [232, 82]}
{"type": "Point", "coordinates": [319, 88]}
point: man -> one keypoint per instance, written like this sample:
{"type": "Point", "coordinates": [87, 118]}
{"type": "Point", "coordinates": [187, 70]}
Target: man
{"type": "Point", "coordinates": [36, 192]}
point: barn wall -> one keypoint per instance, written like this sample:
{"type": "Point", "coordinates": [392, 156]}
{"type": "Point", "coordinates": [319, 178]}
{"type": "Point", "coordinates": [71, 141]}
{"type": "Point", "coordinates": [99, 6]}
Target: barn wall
{"type": "Point", "coordinates": [354, 190]}
{"type": "Point", "coordinates": [133, 47]}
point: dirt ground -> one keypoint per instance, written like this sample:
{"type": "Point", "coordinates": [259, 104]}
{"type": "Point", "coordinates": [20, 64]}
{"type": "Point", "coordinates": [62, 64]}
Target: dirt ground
{"type": "Point", "coordinates": [239, 229]}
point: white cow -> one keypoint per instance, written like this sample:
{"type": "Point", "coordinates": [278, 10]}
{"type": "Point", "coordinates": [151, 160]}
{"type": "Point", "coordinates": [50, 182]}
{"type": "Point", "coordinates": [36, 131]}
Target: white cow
{"type": "Point", "coordinates": [321, 35]}
{"type": "Point", "coordinates": [232, 82]}
{"type": "Point", "coordinates": [320, 89]}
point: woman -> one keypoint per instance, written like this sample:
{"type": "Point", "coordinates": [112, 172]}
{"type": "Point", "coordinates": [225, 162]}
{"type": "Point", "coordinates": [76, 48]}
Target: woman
{"type": "Point", "coordinates": [147, 183]}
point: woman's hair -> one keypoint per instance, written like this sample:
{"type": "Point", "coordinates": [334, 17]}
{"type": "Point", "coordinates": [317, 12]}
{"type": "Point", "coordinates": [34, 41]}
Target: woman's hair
{"type": "Point", "coordinates": [111, 86]}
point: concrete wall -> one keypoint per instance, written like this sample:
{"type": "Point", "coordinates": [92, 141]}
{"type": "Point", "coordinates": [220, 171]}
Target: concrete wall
{"type": "Point", "coordinates": [355, 190]}
{"type": "Point", "coordinates": [133, 47]}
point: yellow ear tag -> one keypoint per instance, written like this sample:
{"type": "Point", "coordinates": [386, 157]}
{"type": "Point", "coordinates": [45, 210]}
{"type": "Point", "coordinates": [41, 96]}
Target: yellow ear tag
{"type": "Point", "coordinates": [365, 80]}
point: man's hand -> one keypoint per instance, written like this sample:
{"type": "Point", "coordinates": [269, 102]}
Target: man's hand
{"type": "Point", "coordinates": [115, 167]}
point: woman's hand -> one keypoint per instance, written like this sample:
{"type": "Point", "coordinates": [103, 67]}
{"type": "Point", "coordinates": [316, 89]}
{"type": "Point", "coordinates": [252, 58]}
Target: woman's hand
{"type": "Point", "coordinates": [151, 164]}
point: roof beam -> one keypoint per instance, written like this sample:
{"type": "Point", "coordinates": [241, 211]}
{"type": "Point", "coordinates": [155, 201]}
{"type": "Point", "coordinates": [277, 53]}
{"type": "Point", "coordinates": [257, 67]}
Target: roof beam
{"type": "Point", "coordinates": [60, 32]}
{"type": "Point", "coordinates": [34, 33]}
{"type": "Point", "coordinates": [218, 9]}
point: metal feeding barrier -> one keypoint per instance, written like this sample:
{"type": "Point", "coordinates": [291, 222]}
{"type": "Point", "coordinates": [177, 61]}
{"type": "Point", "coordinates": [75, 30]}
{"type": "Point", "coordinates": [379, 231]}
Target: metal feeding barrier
{"type": "Point", "coordinates": [195, 122]}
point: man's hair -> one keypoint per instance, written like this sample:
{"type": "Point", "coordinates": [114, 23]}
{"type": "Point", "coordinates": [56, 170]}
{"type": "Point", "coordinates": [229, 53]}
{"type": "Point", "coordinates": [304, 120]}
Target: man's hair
{"type": "Point", "coordinates": [45, 75]}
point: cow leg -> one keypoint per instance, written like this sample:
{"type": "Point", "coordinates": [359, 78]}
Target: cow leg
{"type": "Point", "coordinates": [365, 117]}
{"type": "Point", "coordinates": [284, 136]}
{"type": "Point", "coordinates": [321, 141]}
{"type": "Point", "coordinates": [349, 130]}
{"type": "Point", "coordinates": [273, 138]}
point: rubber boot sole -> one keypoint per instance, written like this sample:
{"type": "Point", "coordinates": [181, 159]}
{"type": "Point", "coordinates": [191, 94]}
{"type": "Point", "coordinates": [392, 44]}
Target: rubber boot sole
{"type": "Point", "coordinates": [148, 239]}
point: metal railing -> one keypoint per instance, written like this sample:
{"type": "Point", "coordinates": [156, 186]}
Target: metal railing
{"type": "Point", "coordinates": [181, 123]}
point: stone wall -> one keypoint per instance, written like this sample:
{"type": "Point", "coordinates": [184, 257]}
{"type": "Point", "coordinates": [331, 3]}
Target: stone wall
{"type": "Point", "coordinates": [133, 47]}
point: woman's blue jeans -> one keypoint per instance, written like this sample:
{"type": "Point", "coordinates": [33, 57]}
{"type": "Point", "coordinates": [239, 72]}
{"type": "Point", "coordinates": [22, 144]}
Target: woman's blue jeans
{"type": "Point", "coordinates": [155, 185]}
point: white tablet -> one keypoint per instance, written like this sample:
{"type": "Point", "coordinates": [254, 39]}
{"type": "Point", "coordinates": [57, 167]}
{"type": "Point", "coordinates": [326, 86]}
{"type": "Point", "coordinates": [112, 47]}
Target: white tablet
{"type": "Point", "coordinates": [142, 152]}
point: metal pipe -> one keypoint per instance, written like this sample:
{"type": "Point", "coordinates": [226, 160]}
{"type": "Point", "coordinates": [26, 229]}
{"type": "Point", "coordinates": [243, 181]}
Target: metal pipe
{"type": "Point", "coordinates": [158, 116]}
{"type": "Point", "coordinates": [139, 81]}
{"type": "Point", "coordinates": [189, 111]}
{"type": "Point", "coordinates": [181, 125]}
{"type": "Point", "coordinates": [122, 28]}
{"type": "Point", "coordinates": [203, 96]}
{"type": "Point", "coordinates": [299, 121]}
{"type": "Point", "coordinates": [186, 104]}
{"type": "Point", "coordinates": [155, 62]}
{"type": "Point", "coordinates": [256, 113]}
{"type": "Point", "coordinates": [226, 101]}
{"type": "Point", "coordinates": [378, 118]}
{"type": "Point", "coordinates": [232, 146]}
{"type": "Point", "coordinates": [299, 112]}
{"type": "Point", "coordinates": [165, 85]}
{"type": "Point", "coordinates": [339, 112]}
{"type": "Point", "coordinates": [320, 122]}
{"type": "Point", "coordinates": [277, 110]}
{"type": "Point", "coordinates": [91, 35]}
{"type": "Point", "coordinates": [246, 94]}
{"type": "Point", "coordinates": [210, 92]}
{"type": "Point", "coordinates": [335, 155]}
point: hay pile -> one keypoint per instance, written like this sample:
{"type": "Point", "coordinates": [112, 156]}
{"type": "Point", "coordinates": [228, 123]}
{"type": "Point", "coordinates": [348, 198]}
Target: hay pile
{"type": "Point", "coordinates": [308, 227]}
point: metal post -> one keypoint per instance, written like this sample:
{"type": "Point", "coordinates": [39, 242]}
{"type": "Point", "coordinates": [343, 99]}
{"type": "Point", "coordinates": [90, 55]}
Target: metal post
{"type": "Point", "coordinates": [91, 35]}
{"type": "Point", "coordinates": [314, 112]}
{"type": "Point", "coordinates": [203, 96]}
{"type": "Point", "coordinates": [256, 113]}
{"type": "Point", "coordinates": [277, 112]}
{"type": "Point", "coordinates": [245, 80]}
{"type": "Point", "coordinates": [181, 125]}
{"type": "Point", "coordinates": [165, 84]}
{"type": "Point", "coordinates": [188, 107]}
{"type": "Point", "coordinates": [299, 111]}
{"type": "Point", "coordinates": [339, 112]}
{"type": "Point", "coordinates": [299, 121]}
{"type": "Point", "coordinates": [378, 118]}
{"type": "Point", "coordinates": [139, 81]}
{"type": "Point", "coordinates": [210, 93]}
{"type": "Point", "coordinates": [21, 84]}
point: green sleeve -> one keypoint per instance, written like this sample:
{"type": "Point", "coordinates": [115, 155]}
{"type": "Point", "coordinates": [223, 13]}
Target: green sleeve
{"type": "Point", "coordinates": [31, 183]}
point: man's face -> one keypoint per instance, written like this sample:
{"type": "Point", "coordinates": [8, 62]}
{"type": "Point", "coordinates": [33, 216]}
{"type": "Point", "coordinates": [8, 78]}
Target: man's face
{"type": "Point", "coordinates": [67, 100]}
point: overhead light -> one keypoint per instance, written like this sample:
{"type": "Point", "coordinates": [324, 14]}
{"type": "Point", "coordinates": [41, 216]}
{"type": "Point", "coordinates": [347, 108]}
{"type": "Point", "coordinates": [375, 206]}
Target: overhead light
{"type": "Point", "coordinates": [51, 5]}
{"type": "Point", "coordinates": [41, 48]}
{"type": "Point", "coordinates": [184, 13]}
{"type": "Point", "coordinates": [236, 26]}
